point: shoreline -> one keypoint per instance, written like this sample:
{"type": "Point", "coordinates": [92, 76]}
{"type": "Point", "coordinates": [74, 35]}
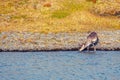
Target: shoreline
{"type": "Point", "coordinates": [118, 49]}
{"type": "Point", "coordinates": [36, 42]}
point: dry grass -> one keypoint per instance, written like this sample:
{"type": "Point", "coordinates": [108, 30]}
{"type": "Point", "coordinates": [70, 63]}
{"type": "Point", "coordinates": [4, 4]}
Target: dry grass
{"type": "Point", "coordinates": [107, 7]}
{"type": "Point", "coordinates": [56, 16]}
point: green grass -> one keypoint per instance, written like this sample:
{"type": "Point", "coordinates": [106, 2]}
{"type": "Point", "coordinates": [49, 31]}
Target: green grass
{"type": "Point", "coordinates": [60, 14]}
{"type": "Point", "coordinates": [19, 16]}
{"type": "Point", "coordinates": [75, 6]}
{"type": "Point", "coordinates": [70, 7]}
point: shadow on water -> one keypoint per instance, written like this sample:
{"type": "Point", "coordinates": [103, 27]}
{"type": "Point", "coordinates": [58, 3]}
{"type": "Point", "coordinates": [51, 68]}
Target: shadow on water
{"type": "Point", "coordinates": [88, 52]}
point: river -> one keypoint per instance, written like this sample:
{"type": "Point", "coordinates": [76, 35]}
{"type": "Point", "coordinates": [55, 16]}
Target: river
{"type": "Point", "coordinates": [60, 65]}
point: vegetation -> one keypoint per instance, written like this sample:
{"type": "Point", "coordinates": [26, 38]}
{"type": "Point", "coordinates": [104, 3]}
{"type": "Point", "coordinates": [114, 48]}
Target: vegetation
{"type": "Point", "coordinates": [54, 16]}
{"type": "Point", "coordinates": [107, 7]}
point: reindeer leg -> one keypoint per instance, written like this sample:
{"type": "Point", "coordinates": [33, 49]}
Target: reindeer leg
{"type": "Point", "coordinates": [94, 48]}
{"type": "Point", "coordinates": [88, 48]}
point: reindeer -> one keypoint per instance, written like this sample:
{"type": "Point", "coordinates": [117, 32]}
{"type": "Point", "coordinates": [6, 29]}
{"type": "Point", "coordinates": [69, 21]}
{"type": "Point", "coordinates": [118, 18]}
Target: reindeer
{"type": "Point", "coordinates": [92, 40]}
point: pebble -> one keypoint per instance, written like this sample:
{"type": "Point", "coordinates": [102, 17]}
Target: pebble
{"type": "Point", "coordinates": [109, 40]}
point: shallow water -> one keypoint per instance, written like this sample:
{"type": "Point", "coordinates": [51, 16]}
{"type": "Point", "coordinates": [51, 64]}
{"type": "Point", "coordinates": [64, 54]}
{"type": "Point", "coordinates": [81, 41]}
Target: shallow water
{"type": "Point", "coordinates": [60, 65]}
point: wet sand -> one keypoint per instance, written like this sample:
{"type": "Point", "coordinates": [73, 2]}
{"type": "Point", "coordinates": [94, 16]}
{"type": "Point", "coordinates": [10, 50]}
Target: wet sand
{"type": "Point", "coordinates": [25, 41]}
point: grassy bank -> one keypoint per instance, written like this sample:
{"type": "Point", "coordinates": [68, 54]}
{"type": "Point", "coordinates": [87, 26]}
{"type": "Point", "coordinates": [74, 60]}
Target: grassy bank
{"type": "Point", "coordinates": [53, 16]}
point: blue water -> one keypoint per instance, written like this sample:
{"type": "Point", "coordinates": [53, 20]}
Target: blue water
{"type": "Point", "coordinates": [60, 65]}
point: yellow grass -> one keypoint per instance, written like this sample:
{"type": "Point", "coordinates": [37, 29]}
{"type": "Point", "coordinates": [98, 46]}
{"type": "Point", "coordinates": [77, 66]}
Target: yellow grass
{"type": "Point", "coordinates": [61, 16]}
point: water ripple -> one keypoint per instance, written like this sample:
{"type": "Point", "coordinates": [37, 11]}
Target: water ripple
{"type": "Point", "coordinates": [60, 65]}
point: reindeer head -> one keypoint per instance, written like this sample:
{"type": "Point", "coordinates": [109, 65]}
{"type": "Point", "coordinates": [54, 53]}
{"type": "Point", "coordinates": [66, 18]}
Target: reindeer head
{"type": "Point", "coordinates": [82, 47]}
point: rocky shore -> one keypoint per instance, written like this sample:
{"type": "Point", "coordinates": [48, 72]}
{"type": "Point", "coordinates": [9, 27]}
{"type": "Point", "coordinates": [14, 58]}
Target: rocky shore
{"type": "Point", "coordinates": [26, 41]}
